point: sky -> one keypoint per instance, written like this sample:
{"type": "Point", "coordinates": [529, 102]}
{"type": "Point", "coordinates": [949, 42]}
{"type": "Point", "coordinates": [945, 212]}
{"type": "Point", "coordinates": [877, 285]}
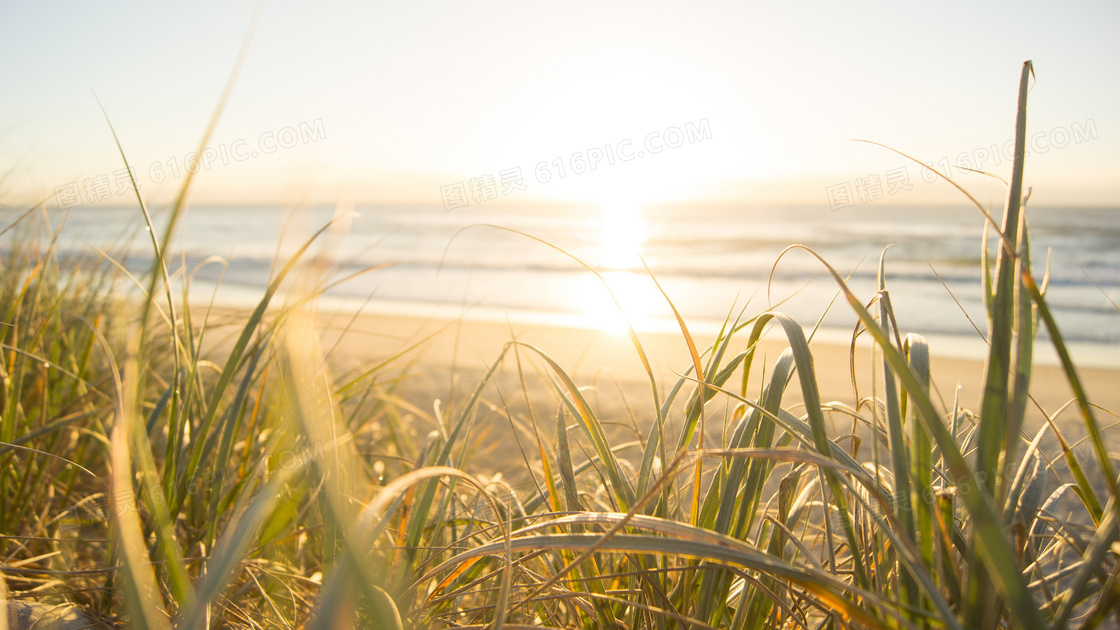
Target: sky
{"type": "Point", "coordinates": [445, 103]}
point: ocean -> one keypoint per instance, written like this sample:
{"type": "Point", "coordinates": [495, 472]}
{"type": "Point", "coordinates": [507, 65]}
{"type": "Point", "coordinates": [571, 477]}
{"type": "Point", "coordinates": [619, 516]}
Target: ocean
{"type": "Point", "coordinates": [714, 261]}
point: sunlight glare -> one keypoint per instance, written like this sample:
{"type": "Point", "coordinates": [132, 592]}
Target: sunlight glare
{"type": "Point", "coordinates": [623, 234]}
{"type": "Point", "coordinates": [635, 292]}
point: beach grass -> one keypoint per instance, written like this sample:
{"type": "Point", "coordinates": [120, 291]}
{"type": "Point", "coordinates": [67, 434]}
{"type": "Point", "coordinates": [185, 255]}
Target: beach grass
{"type": "Point", "coordinates": [157, 478]}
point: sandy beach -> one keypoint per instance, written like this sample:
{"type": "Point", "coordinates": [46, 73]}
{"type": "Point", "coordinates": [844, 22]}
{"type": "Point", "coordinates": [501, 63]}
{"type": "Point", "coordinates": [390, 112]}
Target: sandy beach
{"type": "Point", "coordinates": [446, 358]}
{"type": "Point", "coordinates": [588, 355]}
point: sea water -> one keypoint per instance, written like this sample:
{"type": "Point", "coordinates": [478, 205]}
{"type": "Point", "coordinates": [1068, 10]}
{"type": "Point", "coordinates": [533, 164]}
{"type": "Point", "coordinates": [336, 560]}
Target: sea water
{"type": "Point", "coordinates": [713, 261]}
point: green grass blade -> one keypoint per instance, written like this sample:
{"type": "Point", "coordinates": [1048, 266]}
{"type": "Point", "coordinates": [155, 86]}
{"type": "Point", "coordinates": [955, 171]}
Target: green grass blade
{"type": "Point", "coordinates": [921, 452]}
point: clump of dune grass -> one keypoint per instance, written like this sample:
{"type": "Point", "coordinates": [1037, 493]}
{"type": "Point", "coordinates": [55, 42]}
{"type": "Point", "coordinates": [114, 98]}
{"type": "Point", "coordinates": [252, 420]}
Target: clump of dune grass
{"type": "Point", "coordinates": [252, 490]}
{"type": "Point", "coordinates": [54, 389]}
{"type": "Point", "coordinates": [143, 476]}
{"type": "Point", "coordinates": [135, 448]}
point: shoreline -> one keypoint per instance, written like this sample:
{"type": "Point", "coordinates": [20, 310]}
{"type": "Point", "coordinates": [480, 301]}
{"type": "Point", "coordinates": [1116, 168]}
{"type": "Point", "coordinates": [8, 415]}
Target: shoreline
{"type": "Point", "coordinates": [971, 348]}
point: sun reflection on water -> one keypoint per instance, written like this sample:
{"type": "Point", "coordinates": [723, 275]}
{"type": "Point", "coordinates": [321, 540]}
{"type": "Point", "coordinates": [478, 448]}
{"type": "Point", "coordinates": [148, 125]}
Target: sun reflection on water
{"type": "Point", "coordinates": [636, 294]}
{"type": "Point", "coordinates": [622, 237]}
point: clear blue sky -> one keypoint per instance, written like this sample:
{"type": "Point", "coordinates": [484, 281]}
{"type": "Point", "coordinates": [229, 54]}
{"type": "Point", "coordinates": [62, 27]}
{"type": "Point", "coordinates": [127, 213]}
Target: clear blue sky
{"type": "Point", "coordinates": [396, 102]}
